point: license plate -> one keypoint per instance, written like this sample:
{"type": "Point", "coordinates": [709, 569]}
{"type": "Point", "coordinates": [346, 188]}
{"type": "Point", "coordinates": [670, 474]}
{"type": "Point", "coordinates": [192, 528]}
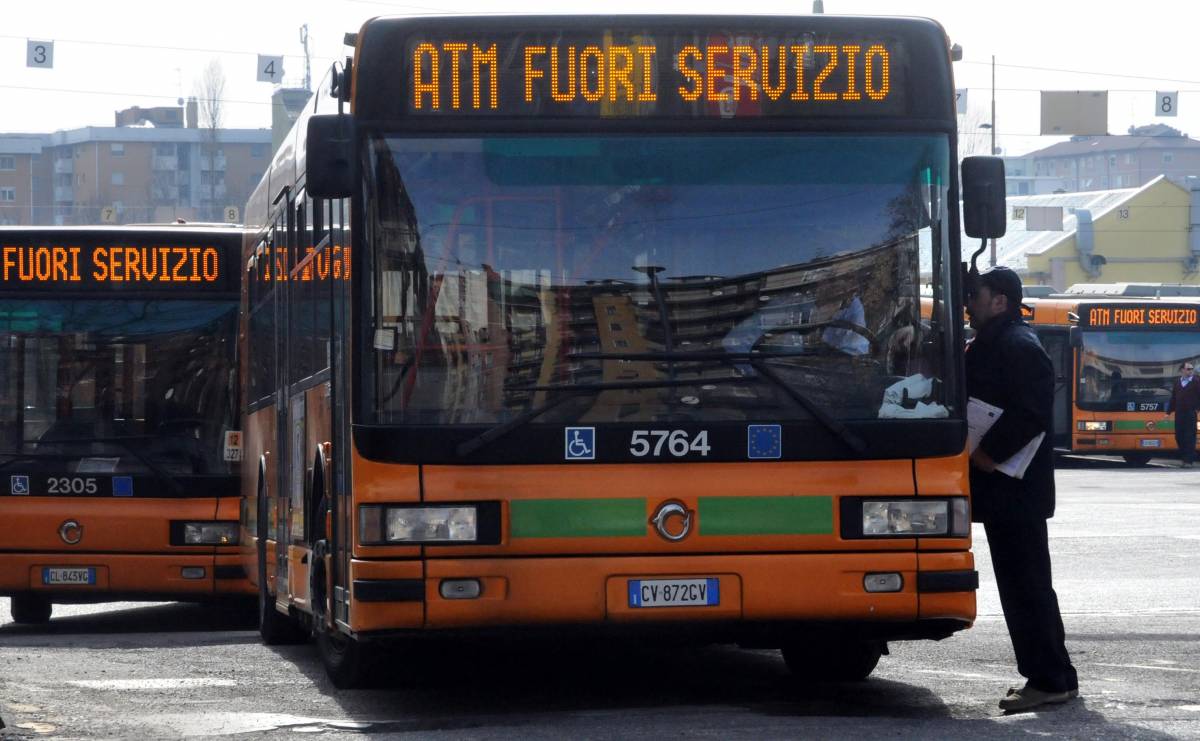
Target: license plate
{"type": "Point", "coordinates": [674, 592]}
{"type": "Point", "coordinates": [57, 576]}
{"type": "Point", "coordinates": [1150, 443]}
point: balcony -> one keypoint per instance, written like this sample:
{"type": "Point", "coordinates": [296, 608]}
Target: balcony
{"type": "Point", "coordinates": [216, 162]}
{"type": "Point", "coordinates": [164, 193]}
{"type": "Point", "coordinates": [165, 163]}
{"type": "Point", "coordinates": [212, 193]}
{"type": "Point", "coordinates": [64, 193]}
{"type": "Point", "coordinates": [64, 166]}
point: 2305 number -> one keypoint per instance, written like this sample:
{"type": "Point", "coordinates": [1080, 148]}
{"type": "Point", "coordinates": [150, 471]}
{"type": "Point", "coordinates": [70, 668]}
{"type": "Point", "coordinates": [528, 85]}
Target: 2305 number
{"type": "Point", "coordinates": [675, 443]}
{"type": "Point", "coordinates": [72, 485]}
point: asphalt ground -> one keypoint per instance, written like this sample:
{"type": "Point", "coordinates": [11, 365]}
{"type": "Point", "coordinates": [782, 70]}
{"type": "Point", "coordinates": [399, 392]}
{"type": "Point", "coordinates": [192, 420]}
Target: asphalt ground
{"type": "Point", "coordinates": [1126, 549]}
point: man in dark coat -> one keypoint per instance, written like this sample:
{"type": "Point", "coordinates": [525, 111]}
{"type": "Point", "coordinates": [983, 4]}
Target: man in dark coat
{"type": "Point", "coordinates": [1185, 399]}
{"type": "Point", "coordinates": [1007, 368]}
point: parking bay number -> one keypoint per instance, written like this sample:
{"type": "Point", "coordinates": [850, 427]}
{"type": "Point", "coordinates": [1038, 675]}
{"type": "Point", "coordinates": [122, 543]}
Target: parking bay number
{"type": "Point", "coordinates": [675, 443]}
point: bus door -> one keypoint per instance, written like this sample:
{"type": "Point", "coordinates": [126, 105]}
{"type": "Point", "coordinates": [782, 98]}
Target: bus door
{"type": "Point", "coordinates": [1058, 346]}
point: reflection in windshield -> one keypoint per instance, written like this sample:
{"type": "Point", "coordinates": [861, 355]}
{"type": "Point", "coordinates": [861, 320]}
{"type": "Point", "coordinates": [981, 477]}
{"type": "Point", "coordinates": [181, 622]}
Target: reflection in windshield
{"type": "Point", "coordinates": [1132, 371]}
{"type": "Point", "coordinates": [111, 382]}
{"type": "Point", "coordinates": [502, 267]}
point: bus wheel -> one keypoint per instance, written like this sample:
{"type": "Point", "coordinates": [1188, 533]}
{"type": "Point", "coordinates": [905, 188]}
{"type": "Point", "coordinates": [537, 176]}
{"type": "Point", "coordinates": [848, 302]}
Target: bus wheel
{"type": "Point", "coordinates": [30, 609]}
{"type": "Point", "coordinates": [345, 659]}
{"type": "Point", "coordinates": [832, 661]}
{"type": "Point", "coordinates": [1136, 459]}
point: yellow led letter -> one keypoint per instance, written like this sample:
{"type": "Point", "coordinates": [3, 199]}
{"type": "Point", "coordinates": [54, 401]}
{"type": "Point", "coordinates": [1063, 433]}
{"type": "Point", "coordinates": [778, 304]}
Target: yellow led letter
{"type": "Point", "coordinates": [798, 93]}
{"type": "Point", "coordinates": [647, 94]}
{"type": "Point", "coordinates": [455, 50]}
{"type": "Point", "coordinates": [592, 95]}
{"type": "Point", "coordinates": [832, 51]}
{"type": "Point", "coordinates": [710, 71]}
{"type": "Point", "coordinates": [530, 73]}
{"type": "Point", "coordinates": [851, 51]}
{"type": "Point", "coordinates": [480, 57]}
{"type": "Point", "coordinates": [432, 87]}
{"type": "Point", "coordinates": [619, 74]}
{"type": "Point", "coordinates": [885, 73]}
{"type": "Point", "coordinates": [555, 92]}
{"type": "Point", "coordinates": [743, 73]}
{"type": "Point", "coordinates": [690, 74]}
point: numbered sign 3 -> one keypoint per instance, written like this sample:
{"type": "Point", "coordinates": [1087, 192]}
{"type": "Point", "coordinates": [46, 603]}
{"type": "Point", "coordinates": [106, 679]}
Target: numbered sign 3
{"type": "Point", "coordinates": [1166, 103]}
{"type": "Point", "coordinates": [39, 54]}
{"type": "Point", "coordinates": [270, 69]}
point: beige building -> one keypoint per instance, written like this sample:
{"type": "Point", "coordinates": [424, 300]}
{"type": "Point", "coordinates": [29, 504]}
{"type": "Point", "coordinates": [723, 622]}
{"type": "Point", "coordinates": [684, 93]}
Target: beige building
{"type": "Point", "coordinates": [1149, 234]}
{"type": "Point", "coordinates": [133, 173]}
{"type": "Point", "coordinates": [1092, 163]}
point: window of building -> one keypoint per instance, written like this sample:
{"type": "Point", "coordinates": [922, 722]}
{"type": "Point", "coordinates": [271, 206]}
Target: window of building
{"type": "Point", "coordinates": [8, 163]}
{"type": "Point", "coordinates": [117, 150]}
{"type": "Point", "coordinates": [164, 150]}
{"type": "Point", "coordinates": [622, 343]}
{"type": "Point", "coordinates": [610, 310]}
{"type": "Point", "coordinates": [258, 150]}
{"type": "Point", "coordinates": [614, 326]}
{"type": "Point", "coordinates": [1167, 157]}
{"type": "Point", "coordinates": [1112, 160]}
{"type": "Point", "coordinates": [1129, 158]}
{"type": "Point", "coordinates": [118, 178]}
{"type": "Point", "coordinates": [8, 194]}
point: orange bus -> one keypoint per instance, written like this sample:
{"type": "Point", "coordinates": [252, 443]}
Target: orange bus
{"type": "Point", "coordinates": [567, 321]}
{"type": "Point", "coordinates": [119, 435]}
{"type": "Point", "coordinates": [1117, 349]}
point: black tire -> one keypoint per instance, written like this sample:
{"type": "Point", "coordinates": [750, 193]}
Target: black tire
{"type": "Point", "coordinates": [1136, 459]}
{"type": "Point", "coordinates": [347, 661]}
{"type": "Point", "coordinates": [832, 661]}
{"type": "Point", "coordinates": [275, 628]}
{"type": "Point", "coordinates": [30, 609]}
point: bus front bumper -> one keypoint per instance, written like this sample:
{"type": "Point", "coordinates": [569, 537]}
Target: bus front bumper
{"type": "Point", "coordinates": [103, 577]}
{"type": "Point", "coordinates": [750, 589]}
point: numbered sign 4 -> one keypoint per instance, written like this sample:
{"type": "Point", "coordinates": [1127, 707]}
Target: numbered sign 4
{"type": "Point", "coordinates": [270, 69]}
{"type": "Point", "coordinates": [39, 54]}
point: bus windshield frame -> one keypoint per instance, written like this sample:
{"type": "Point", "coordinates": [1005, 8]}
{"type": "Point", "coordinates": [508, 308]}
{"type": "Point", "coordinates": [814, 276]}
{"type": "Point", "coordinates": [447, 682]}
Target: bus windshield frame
{"type": "Point", "coordinates": [643, 289]}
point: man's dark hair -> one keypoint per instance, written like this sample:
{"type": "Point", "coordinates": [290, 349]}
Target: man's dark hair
{"type": "Point", "coordinates": [1004, 281]}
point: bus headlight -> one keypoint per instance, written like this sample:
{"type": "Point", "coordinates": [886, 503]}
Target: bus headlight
{"type": "Point", "coordinates": [905, 518]}
{"type": "Point", "coordinates": [1095, 426]}
{"type": "Point", "coordinates": [210, 533]}
{"type": "Point", "coordinates": [380, 524]}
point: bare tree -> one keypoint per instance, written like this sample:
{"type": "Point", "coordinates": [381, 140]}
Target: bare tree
{"type": "Point", "coordinates": [211, 95]}
{"type": "Point", "coordinates": [973, 137]}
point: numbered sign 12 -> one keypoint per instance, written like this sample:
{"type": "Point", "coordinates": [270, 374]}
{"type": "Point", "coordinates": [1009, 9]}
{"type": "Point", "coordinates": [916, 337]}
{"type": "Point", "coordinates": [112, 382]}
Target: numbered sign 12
{"type": "Point", "coordinates": [39, 54]}
{"type": "Point", "coordinates": [270, 69]}
{"type": "Point", "coordinates": [1166, 103]}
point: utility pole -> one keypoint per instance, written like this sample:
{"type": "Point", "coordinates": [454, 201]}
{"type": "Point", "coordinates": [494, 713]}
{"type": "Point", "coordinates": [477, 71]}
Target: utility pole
{"type": "Point", "coordinates": [992, 256]}
{"type": "Point", "coordinates": [307, 58]}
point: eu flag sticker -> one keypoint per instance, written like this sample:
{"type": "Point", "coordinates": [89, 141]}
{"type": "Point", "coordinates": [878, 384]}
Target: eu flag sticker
{"type": "Point", "coordinates": [580, 444]}
{"type": "Point", "coordinates": [18, 484]}
{"type": "Point", "coordinates": [764, 441]}
{"type": "Point", "coordinates": [122, 486]}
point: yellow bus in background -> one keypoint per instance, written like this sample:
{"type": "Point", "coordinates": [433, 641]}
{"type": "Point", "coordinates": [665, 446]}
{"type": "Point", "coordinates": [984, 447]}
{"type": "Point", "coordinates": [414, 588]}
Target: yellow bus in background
{"type": "Point", "coordinates": [1117, 349]}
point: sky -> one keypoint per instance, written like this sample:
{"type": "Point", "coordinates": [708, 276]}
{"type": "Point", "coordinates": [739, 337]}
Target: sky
{"type": "Point", "coordinates": [113, 55]}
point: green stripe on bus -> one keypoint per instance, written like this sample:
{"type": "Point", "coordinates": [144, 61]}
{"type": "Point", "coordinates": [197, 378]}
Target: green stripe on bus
{"type": "Point", "coordinates": [1134, 425]}
{"type": "Point", "coordinates": [766, 515]}
{"type": "Point", "coordinates": [578, 518]}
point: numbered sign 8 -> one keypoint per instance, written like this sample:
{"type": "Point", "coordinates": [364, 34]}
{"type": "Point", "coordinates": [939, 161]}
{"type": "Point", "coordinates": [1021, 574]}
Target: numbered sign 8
{"type": "Point", "coordinates": [1166, 103]}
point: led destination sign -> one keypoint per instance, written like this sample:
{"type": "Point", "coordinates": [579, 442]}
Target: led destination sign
{"type": "Point", "coordinates": [1139, 316]}
{"type": "Point", "coordinates": [636, 75]}
{"type": "Point", "coordinates": [143, 266]}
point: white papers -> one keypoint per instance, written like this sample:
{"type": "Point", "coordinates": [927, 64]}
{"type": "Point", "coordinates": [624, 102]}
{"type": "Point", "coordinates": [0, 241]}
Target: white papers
{"type": "Point", "coordinates": [922, 410]}
{"type": "Point", "coordinates": [980, 418]}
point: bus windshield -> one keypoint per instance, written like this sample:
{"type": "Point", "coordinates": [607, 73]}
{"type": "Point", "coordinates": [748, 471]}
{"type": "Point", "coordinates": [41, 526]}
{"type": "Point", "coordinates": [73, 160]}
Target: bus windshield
{"type": "Point", "coordinates": [117, 385]}
{"type": "Point", "coordinates": [674, 278]}
{"type": "Point", "coordinates": [1131, 371]}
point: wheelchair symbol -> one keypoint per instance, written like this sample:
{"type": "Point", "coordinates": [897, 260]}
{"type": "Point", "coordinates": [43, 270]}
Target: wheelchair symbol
{"type": "Point", "coordinates": [18, 485]}
{"type": "Point", "coordinates": [581, 443]}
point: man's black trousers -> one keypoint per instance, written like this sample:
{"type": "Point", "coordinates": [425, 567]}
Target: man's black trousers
{"type": "Point", "coordinates": [1185, 436]}
{"type": "Point", "coordinates": [1021, 559]}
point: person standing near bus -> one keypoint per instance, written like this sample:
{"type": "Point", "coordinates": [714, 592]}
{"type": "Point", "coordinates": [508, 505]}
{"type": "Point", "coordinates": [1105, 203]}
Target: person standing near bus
{"type": "Point", "coordinates": [1185, 399]}
{"type": "Point", "coordinates": [1007, 367]}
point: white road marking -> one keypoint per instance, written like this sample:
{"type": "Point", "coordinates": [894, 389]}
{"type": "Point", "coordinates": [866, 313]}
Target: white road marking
{"type": "Point", "coordinates": [152, 684]}
{"type": "Point", "coordinates": [1149, 666]}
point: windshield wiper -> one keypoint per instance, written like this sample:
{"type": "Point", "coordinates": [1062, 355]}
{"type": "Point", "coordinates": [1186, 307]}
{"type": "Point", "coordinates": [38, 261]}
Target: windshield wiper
{"type": "Point", "coordinates": [572, 391]}
{"type": "Point", "coordinates": [756, 359]}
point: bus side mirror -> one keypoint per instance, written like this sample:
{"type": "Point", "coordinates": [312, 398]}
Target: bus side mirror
{"type": "Point", "coordinates": [1075, 337]}
{"type": "Point", "coordinates": [983, 197]}
{"type": "Point", "coordinates": [329, 156]}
